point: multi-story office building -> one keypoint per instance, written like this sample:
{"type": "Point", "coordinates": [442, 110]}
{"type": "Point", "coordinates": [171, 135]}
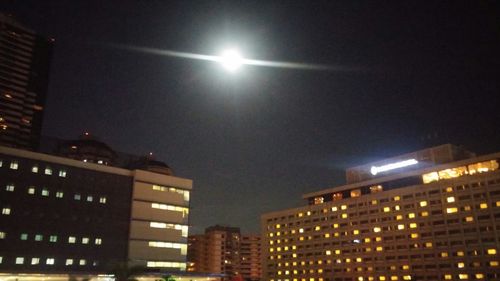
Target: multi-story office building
{"type": "Point", "coordinates": [61, 215]}
{"type": "Point", "coordinates": [24, 75]}
{"type": "Point", "coordinates": [429, 215]}
{"type": "Point", "coordinates": [224, 250]}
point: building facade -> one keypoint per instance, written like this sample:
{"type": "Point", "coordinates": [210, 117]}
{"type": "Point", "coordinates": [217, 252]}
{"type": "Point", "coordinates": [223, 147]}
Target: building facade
{"type": "Point", "coordinates": [429, 215]}
{"type": "Point", "coordinates": [61, 215]}
{"type": "Point", "coordinates": [223, 250]}
{"type": "Point", "coordinates": [24, 76]}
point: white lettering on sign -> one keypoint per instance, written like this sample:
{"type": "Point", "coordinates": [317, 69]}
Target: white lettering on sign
{"type": "Point", "coordinates": [375, 170]}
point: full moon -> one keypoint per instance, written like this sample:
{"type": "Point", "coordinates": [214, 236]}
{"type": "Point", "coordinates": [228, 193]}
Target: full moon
{"type": "Point", "coordinates": [231, 60]}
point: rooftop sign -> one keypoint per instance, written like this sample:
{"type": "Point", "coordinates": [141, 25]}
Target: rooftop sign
{"type": "Point", "coordinates": [384, 168]}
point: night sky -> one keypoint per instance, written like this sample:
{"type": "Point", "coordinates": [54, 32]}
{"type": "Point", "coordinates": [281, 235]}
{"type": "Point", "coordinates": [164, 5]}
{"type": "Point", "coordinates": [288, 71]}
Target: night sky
{"type": "Point", "coordinates": [408, 74]}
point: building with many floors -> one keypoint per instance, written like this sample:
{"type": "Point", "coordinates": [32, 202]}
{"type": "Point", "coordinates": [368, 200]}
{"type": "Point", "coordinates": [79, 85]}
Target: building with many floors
{"type": "Point", "coordinates": [224, 250]}
{"type": "Point", "coordinates": [24, 76]}
{"type": "Point", "coordinates": [67, 216]}
{"type": "Point", "coordinates": [433, 214]}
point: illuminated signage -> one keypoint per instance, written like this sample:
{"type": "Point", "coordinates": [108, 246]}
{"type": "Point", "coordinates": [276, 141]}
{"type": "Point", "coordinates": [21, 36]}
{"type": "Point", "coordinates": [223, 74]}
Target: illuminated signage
{"type": "Point", "coordinates": [375, 170]}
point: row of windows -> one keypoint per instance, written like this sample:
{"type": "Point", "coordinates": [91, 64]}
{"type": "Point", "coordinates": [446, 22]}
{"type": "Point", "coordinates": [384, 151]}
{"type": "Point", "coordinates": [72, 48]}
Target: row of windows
{"type": "Point", "coordinates": [374, 202]}
{"type": "Point", "coordinates": [47, 261]}
{"type": "Point", "coordinates": [58, 194]}
{"type": "Point", "coordinates": [183, 228]}
{"type": "Point", "coordinates": [169, 245]}
{"type": "Point", "coordinates": [412, 215]}
{"type": "Point", "coordinates": [446, 276]}
{"type": "Point", "coordinates": [54, 238]}
{"type": "Point", "coordinates": [14, 165]}
{"type": "Point", "coordinates": [181, 265]}
{"type": "Point", "coordinates": [184, 193]}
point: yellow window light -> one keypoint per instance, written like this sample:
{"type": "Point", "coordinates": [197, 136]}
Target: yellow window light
{"type": "Point", "coordinates": [423, 203]}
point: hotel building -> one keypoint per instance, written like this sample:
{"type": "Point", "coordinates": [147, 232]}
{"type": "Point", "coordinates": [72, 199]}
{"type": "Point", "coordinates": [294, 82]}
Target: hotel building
{"type": "Point", "coordinates": [433, 214]}
{"type": "Point", "coordinates": [224, 250]}
{"type": "Point", "coordinates": [24, 76]}
{"type": "Point", "coordinates": [67, 216]}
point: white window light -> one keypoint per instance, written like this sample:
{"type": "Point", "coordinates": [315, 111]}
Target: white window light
{"type": "Point", "coordinates": [20, 260]}
{"type": "Point", "coordinates": [6, 211]}
{"type": "Point", "coordinates": [69, 261]}
{"type": "Point", "coordinates": [14, 165]}
{"type": "Point", "coordinates": [50, 261]}
{"type": "Point", "coordinates": [31, 190]}
{"type": "Point", "coordinates": [102, 200]}
{"type": "Point", "coordinates": [71, 239]}
{"type": "Point", "coordinates": [35, 261]}
{"type": "Point", "coordinates": [62, 173]}
{"type": "Point", "coordinates": [85, 240]}
{"type": "Point", "coordinates": [34, 169]}
{"type": "Point", "coordinates": [45, 192]}
{"type": "Point", "coordinates": [98, 241]}
{"type": "Point", "coordinates": [90, 198]}
{"type": "Point", "coordinates": [48, 171]}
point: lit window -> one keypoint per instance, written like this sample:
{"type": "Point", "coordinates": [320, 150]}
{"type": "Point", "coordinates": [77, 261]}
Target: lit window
{"type": "Point", "coordinates": [450, 199]}
{"type": "Point", "coordinates": [62, 173]}
{"type": "Point", "coordinates": [2, 235]}
{"type": "Point", "coordinates": [35, 261]}
{"type": "Point", "coordinates": [479, 276]}
{"type": "Point", "coordinates": [6, 211]}
{"type": "Point", "coordinates": [9, 187]}
{"type": "Point", "coordinates": [336, 196]}
{"type": "Point", "coordinates": [344, 216]}
{"type": "Point", "coordinates": [356, 193]}
{"type": "Point", "coordinates": [77, 197]}
{"type": "Point", "coordinates": [493, 263]}
{"type": "Point", "coordinates": [430, 177]}
{"type": "Point", "coordinates": [38, 237]}
{"type": "Point", "coordinates": [72, 239]}
{"type": "Point", "coordinates": [483, 167]}
{"type": "Point", "coordinates": [355, 232]}
{"type": "Point", "coordinates": [31, 190]}
{"type": "Point", "coordinates": [50, 261]}
{"type": "Point", "coordinates": [463, 276]}
{"type": "Point", "coordinates": [428, 244]}
{"type": "Point", "coordinates": [483, 206]}
{"type": "Point", "coordinates": [19, 260]}
{"type": "Point", "coordinates": [444, 254]}
{"type": "Point", "coordinates": [83, 262]}
{"type": "Point", "coordinates": [343, 207]}
{"type": "Point", "coordinates": [90, 198]}
{"type": "Point", "coordinates": [376, 188]}
{"type": "Point", "coordinates": [451, 210]}
{"type": "Point", "coordinates": [379, 249]}
{"type": "Point", "coordinates": [424, 214]}
{"type": "Point", "coordinates": [102, 200]}
{"type": "Point", "coordinates": [423, 203]}
{"type": "Point", "coordinates": [59, 194]}
{"type": "Point", "coordinates": [460, 253]}
{"type": "Point", "coordinates": [53, 238]}
{"type": "Point", "coordinates": [449, 189]}
{"type": "Point", "coordinates": [328, 252]}
{"type": "Point", "coordinates": [45, 192]}
{"type": "Point", "coordinates": [411, 215]}
{"type": "Point", "coordinates": [85, 240]}
{"type": "Point", "coordinates": [467, 208]}
{"type": "Point", "coordinates": [98, 241]}
{"type": "Point", "coordinates": [492, 251]}
{"type": "Point", "coordinates": [414, 235]}
{"type": "Point", "coordinates": [447, 277]}
{"type": "Point", "coordinates": [69, 261]}
{"type": "Point", "coordinates": [413, 225]}
{"type": "Point", "coordinates": [401, 226]}
{"type": "Point", "coordinates": [397, 208]}
{"type": "Point", "coordinates": [318, 200]}
{"type": "Point", "coordinates": [469, 219]}
{"type": "Point", "coordinates": [387, 209]}
{"type": "Point", "coordinates": [24, 236]}
{"type": "Point", "coordinates": [399, 217]}
{"type": "Point", "coordinates": [34, 169]}
{"type": "Point", "coordinates": [14, 165]}
{"type": "Point", "coordinates": [48, 171]}
{"type": "Point", "coordinates": [452, 173]}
